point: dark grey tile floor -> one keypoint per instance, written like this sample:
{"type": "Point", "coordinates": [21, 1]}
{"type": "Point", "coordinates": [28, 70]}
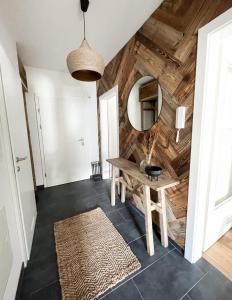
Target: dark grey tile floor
{"type": "Point", "coordinates": [166, 275]}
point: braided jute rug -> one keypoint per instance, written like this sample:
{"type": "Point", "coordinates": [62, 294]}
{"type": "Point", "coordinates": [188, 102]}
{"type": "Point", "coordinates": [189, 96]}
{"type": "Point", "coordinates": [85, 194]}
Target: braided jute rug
{"type": "Point", "coordinates": [92, 256]}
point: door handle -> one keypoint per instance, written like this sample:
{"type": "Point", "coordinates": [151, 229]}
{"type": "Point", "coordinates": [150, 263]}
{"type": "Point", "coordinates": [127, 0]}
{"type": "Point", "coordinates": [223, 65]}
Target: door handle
{"type": "Point", "coordinates": [82, 141]}
{"type": "Point", "coordinates": [18, 159]}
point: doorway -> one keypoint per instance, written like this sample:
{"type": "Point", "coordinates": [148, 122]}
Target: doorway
{"type": "Point", "coordinates": [210, 188]}
{"type": "Point", "coordinates": [68, 137]}
{"type": "Point", "coordinates": [109, 126]}
{"type": "Point", "coordinates": [219, 255]}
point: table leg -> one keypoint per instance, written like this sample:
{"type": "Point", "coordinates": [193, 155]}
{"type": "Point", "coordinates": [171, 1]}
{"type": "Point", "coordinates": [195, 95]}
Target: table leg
{"type": "Point", "coordinates": [123, 192]}
{"type": "Point", "coordinates": [163, 219]}
{"type": "Point", "coordinates": [113, 186]}
{"type": "Point", "coordinates": [148, 220]}
{"type": "Point", "coordinates": [118, 187]}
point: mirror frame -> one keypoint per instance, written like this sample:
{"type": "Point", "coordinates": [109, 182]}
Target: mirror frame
{"type": "Point", "coordinates": [146, 130]}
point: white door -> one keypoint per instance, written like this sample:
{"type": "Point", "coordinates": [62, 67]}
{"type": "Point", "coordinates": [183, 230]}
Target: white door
{"type": "Point", "coordinates": [35, 134]}
{"type": "Point", "coordinates": [19, 140]}
{"type": "Point", "coordinates": [104, 137]}
{"type": "Point", "coordinates": [209, 198]}
{"type": "Point", "coordinates": [109, 123]}
{"type": "Point", "coordinates": [66, 126]}
{"type": "Point", "coordinates": [11, 240]}
{"type": "Point", "coordinates": [219, 213]}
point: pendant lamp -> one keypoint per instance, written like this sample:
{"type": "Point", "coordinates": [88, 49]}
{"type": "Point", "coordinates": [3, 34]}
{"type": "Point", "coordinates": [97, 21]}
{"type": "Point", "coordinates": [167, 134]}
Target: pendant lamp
{"type": "Point", "coordinates": [84, 63]}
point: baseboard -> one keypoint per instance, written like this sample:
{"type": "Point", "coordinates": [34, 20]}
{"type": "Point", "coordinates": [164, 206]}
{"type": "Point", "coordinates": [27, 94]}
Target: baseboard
{"type": "Point", "coordinates": [20, 284]}
{"type": "Point", "coordinates": [96, 177]}
{"type": "Point", "coordinates": [39, 187]}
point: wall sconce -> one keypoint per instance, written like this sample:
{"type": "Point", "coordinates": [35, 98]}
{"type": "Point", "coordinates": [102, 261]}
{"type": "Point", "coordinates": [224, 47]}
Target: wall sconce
{"type": "Point", "coordinates": [180, 120]}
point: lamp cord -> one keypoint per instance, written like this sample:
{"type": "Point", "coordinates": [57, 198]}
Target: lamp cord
{"type": "Point", "coordinates": [84, 25]}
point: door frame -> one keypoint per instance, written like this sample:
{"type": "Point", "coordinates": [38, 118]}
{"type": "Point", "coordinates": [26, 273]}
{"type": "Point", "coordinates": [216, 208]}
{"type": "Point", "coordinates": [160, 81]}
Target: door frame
{"type": "Point", "coordinates": [7, 141]}
{"type": "Point", "coordinates": [197, 209]}
{"type": "Point", "coordinates": [40, 138]}
{"type": "Point", "coordinates": [108, 94]}
{"type": "Point", "coordinates": [41, 134]}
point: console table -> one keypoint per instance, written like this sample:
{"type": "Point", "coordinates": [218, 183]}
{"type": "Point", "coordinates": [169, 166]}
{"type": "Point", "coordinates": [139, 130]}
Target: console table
{"type": "Point", "coordinates": [131, 170]}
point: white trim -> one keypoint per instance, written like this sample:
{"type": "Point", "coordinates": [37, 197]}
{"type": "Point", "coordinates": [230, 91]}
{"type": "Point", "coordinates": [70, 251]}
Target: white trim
{"type": "Point", "coordinates": [108, 94]}
{"type": "Point", "coordinates": [199, 154]}
{"type": "Point", "coordinates": [40, 137]}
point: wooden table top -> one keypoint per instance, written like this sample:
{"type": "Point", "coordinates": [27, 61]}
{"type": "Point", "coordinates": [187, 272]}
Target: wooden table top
{"type": "Point", "coordinates": [131, 169]}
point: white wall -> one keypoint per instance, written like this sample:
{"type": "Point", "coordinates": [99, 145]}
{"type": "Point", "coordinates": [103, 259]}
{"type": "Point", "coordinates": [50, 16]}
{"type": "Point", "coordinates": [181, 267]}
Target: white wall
{"type": "Point", "coordinates": [43, 83]}
{"type": "Point", "coordinates": [8, 63]}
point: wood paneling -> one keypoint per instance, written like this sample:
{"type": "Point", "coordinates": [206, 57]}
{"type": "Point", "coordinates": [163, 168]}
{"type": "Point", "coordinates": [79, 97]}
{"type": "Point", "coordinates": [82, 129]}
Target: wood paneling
{"type": "Point", "coordinates": [165, 47]}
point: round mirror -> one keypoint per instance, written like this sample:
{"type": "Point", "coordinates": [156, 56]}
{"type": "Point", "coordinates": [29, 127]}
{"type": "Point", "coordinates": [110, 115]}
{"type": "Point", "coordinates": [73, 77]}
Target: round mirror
{"type": "Point", "coordinates": [144, 103]}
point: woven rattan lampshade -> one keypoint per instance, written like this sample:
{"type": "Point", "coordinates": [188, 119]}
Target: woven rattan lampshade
{"type": "Point", "coordinates": [85, 64]}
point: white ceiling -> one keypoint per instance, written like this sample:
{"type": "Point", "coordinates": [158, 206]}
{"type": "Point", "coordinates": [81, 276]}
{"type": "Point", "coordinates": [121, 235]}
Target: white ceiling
{"type": "Point", "coordinates": [47, 30]}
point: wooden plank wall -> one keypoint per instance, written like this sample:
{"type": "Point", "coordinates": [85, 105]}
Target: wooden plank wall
{"type": "Point", "coordinates": [165, 47]}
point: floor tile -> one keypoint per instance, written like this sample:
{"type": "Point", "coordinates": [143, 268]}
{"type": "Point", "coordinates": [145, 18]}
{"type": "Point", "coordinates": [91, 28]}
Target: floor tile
{"type": "Point", "coordinates": [104, 203]}
{"type": "Point", "coordinates": [103, 187]}
{"type": "Point", "coordinates": [125, 212]}
{"type": "Point", "coordinates": [133, 209]}
{"type": "Point", "coordinates": [186, 297]}
{"type": "Point", "coordinates": [38, 276]}
{"type": "Point", "coordinates": [136, 216]}
{"type": "Point", "coordinates": [203, 265]}
{"type": "Point", "coordinates": [167, 279]}
{"type": "Point", "coordinates": [102, 296]}
{"type": "Point", "coordinates": [139, 248]}
{"type": "Point", "coordinates": [130, 213]}
{"type": "Point", "coordinates": [129, 231]}
{"type": "Point", "coordinates": [214, 286]}
{"type": "Point", "coordinates": [115, 217]}
{"type": "Point", "coordinates": [43, 245]}
{"type": "Point", "coordinates": [127, 291]}
{"type": "Point", "coordinates": [51, 292]}
{"type": "Point", "coordinates": [163, 276]}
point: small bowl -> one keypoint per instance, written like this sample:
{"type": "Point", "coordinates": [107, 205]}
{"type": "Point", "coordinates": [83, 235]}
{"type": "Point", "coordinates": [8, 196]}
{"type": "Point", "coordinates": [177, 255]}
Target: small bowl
{"type": "Point", "coordinates": [153, 171]}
